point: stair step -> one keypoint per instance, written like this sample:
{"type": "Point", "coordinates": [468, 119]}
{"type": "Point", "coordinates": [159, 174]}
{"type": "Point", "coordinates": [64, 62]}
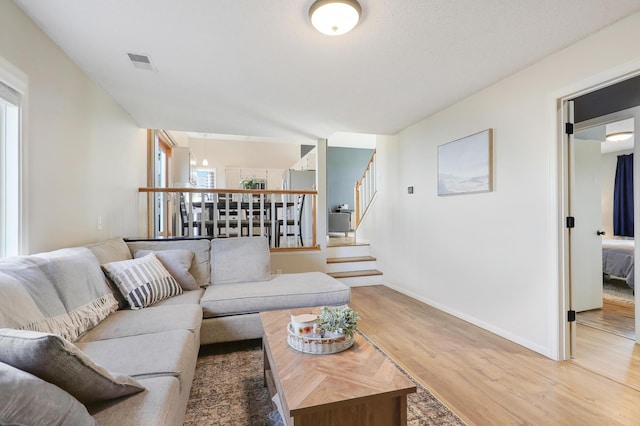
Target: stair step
{"type": "Point", "coordinates": [348, 245]}
{"type": "Point", "coordinates": [348, 251]}
{"type": "Point", "coordinates": [351, 266]}
{"type": "Point", "coordinates": [352, 274]}
{"type": "Point", "coordinates": [351, 259]}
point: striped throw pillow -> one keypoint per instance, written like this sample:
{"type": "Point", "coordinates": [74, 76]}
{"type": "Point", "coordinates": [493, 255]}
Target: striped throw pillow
{"type": "Point", "coordinates": [143, 281]}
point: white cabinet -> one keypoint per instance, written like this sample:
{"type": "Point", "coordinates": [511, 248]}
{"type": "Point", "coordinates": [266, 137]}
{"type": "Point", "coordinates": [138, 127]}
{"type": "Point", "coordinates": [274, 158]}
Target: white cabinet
{"type": "Point", "coordinates": [265, 178]}
{"type": "Point", "coordinates": [182, 161]}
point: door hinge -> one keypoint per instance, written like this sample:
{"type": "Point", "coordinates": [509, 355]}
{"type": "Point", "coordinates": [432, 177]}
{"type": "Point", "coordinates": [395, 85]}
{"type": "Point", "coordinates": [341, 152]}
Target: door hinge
{"type": "Point", "coordinates": [568, 128]}
{"type": "Point", "coordinates": [571, 316]}
{"type": "Point", "coordinates": [571, 222]}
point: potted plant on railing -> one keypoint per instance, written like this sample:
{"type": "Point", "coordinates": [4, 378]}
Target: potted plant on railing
{"type": "Point", "coordinates": [337, 322]}
{"type": "Point", "coordinates": [247, 184]}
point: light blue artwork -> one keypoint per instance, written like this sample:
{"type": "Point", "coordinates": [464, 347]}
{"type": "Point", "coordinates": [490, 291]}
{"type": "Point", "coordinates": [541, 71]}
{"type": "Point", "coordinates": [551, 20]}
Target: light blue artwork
{"type": "Point", "coordinates": [464, 165]}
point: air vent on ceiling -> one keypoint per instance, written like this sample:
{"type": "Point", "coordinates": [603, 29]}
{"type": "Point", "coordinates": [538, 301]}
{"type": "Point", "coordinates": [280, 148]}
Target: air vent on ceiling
{"type": "Point", "coordinates": [142, 62]}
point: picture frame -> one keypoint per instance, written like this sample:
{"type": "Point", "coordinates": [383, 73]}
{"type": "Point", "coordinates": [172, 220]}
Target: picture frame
{"type": "Point", "coordinates": [465, 166]}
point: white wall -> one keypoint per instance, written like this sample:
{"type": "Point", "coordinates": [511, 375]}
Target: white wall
{"type": "Point", "coordinates": [265, 155]}
{"type": "Point", "coordinates": [608, 175]}
{"type": "Point", "coordinates": [85, 157]}
{"type": "Point", "coordinates": [352, 140]}
{"type": "Point", "coordinates": [491, 258]}
{"type": "Point", "coordinates": [313, 260]}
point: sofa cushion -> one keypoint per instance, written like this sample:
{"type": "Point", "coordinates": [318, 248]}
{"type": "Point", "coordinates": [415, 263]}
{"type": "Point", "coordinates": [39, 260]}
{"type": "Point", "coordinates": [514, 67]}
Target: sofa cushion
{"type": "Point", "coordinates": [281, 292]}
{"type": "Point", "coordinates": [200, 268]}
{"type": "Point", "coordinates": [158, 404]}
{"type": "Point", "coordinates": [142, 281]}
{"type": "Point", "coordinates": [57, 361]}
{"type": "Point", "coordinates": [243, 259]}
{"type": "Point", "coordinates": [190, 297]}
{"type": "Point", "coordinates": [167, 353]}
{"type": "Point", "coordinates": [67, 289]}
{"type": "Point", "coordinates": [231, 328]}
{"type": "Point", "coordinates": [155, 319]}
{"type": "Point", "coordinates": [177, 262]}
{"type": "Point", "coordinates": [28, 400]}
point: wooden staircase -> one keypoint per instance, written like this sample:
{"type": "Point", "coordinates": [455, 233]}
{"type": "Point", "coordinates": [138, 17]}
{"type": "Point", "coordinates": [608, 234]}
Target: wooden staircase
{"type": "Point", "coordinates": [353, 265]}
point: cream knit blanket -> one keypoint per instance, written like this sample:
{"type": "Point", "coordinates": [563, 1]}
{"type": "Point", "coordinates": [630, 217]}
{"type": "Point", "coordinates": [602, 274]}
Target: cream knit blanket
{"type": "Point", "coordinates": [62, 292]}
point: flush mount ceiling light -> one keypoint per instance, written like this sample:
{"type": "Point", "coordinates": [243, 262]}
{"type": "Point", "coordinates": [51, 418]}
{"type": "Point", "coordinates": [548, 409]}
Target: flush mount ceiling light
{"type": "Point", "coordinates": [335, 17]}
{"type": "Point", "coordinates": [619, 136]}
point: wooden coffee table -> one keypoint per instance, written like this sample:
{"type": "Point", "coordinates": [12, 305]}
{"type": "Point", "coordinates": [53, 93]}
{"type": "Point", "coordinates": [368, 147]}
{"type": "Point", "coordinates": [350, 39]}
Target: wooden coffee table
{"type": "Point", "coordinates": [359, 386]}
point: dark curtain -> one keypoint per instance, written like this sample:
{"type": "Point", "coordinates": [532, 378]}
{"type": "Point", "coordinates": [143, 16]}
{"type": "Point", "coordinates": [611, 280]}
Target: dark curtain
{"type": "Point", "coordinates": [623, 197]}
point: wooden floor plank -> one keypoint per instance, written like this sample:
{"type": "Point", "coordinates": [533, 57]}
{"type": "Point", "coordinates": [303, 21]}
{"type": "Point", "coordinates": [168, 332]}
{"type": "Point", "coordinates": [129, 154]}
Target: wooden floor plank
{"type": "Point", "coordinates": [609, 355]}
{"type": "Point", "coordinates": [614, 317]}
{"type": "Point", "coordinates": [484, 378]}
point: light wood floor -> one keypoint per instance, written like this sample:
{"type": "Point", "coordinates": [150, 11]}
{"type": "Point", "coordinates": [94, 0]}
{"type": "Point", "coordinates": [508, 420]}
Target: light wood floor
{"type": "Point", "coordinates": [606, 343]}
{"type": "Point", "coordinates": [615, 317]}
{"type": "Point", "coordinates": [486, 379]}
{"type": "Point", "coordinates": [341, 241]}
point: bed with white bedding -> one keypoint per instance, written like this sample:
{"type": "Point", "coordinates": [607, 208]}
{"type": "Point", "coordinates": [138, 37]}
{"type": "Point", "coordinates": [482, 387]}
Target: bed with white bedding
{"type": "Point", "coordinates": [617, 259]}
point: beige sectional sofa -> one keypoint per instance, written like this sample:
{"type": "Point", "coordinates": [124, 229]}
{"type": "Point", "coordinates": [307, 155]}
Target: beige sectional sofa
{"type": "Point", "coordinates": [62, 322]}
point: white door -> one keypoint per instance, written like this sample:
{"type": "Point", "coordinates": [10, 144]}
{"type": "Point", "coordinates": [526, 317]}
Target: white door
{"type": "Point", "coordinates": [586, 240]}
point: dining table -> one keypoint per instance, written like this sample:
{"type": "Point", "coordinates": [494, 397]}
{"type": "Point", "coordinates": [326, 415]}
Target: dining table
{"type": "Point", "coordinates": [250, 208]}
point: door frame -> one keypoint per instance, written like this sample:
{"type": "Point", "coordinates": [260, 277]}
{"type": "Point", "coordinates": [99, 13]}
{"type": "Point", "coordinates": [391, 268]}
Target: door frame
{"type": "Point", "coordinates": [566, 335]}
{"type": "Point", "coordinates": [159, 141]}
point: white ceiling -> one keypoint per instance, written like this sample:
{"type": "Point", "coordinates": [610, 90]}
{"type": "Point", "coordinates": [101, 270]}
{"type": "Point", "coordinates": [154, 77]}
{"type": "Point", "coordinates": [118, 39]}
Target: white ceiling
{"type": "Point", "coordinates": [600, 132]}
{"type": "Point", "coordinates": [258, 68]}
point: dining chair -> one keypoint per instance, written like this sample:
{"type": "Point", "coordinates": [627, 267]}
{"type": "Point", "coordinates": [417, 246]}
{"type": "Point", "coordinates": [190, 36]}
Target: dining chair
{"type": "Point", "coordinates": [194, 224]}
{"type": "Point", "coordinates": [229, 211]}
{"type": "Point", "coordinates": [245, 224]}
{"type": "Point", "coordinates": [282, 228]}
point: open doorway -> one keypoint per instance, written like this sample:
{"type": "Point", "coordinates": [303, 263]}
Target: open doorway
{"type": "Point", "coordinates": [609, 347]}
{"type": "Point", "coordinates": [603, 169]}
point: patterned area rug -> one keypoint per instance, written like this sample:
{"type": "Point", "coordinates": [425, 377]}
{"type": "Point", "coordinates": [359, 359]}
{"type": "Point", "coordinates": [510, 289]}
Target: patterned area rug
{"type": "Point", "coordinates": [228, 386]}
{"type": "Point", "coordinates": [228, 390]}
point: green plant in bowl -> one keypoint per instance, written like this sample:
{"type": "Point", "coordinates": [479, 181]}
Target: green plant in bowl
{"type": "Point", "coordinates": [338, 320]}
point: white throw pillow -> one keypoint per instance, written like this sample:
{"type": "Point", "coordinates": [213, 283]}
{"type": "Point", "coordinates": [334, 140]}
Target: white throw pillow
{"type": "Point", "coordinates": [56, 360]}
{"type": "Point", "coordinates": [177, 262]}
{"type": "Point", "coordinates": [143, 281]}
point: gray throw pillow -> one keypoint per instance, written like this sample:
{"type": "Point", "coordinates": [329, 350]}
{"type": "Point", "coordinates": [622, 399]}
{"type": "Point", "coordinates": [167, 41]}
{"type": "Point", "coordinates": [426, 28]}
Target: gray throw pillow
{"type": "Point", "coordinates": [58, 361]}
{"type": "Point", "coordinates": [177, 262]}
{"type": "Point", "coordinates": [112, 250]}
{"type": "Point", "coordinates": [28, 400]}
{"type": "Point", "coordinates": [143, 281]}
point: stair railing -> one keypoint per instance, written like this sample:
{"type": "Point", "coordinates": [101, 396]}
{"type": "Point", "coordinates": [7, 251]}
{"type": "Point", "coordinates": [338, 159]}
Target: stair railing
{"type": "Point", "coordinates": [365, 190]}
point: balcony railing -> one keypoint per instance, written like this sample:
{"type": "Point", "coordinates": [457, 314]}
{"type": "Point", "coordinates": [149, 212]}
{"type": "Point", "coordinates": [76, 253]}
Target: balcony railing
{"type": "Point", "coordinates": [286, 218]}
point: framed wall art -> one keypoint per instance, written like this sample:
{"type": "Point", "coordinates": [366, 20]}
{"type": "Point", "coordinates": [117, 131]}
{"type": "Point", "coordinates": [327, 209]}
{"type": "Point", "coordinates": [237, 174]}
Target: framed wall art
{"type": "Point", "coordinates": [465, 165]}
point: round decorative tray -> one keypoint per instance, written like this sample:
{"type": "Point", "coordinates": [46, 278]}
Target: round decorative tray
{"type": "Point", "coordinates": [318, 345]}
